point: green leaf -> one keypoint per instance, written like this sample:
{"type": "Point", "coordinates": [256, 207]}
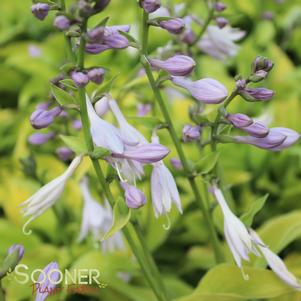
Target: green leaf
{"type": "Point", "coordinates": [68, 83]}
{"type": "Point", "coordinates": [256, 206]}
{"type": "Point", "coordinates": [75, 143]}
{"type": "Point", "coordinates": [61, 96]}
{"type": "Point", "coordinates": [99, 153]}
{"type": "Point", "coordinates": [207, 163]}
{"type": "Point", "coordinates": [106, 87]}
{"type": "Point", "coordinates": [121, 216]}
{"type": "Point", "coordinates": [128, 36]}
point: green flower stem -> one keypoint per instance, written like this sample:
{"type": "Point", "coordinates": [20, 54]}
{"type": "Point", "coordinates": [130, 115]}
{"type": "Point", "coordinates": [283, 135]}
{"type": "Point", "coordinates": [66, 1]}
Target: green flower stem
{"type": "Point", "coordinates": [152, 281]}
{"type": "Point", "coordinates": [177, 143]}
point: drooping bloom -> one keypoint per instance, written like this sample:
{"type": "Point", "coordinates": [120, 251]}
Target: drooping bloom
{"type": "Point", "coordinates": [46, 196]}
{"type": "Point", "coordinates": [178, 65]}
{"type": "Point", "coordinates": [39, 138]}
{"type": "Point", "coordinates": [236, 233]}
{"type": "Point", "coordinates": [134, 197]}
{"type": "Point", "coordinates": [47, 281]}
{"type": "Point", "coordinates": [277, 139]}
{"type": "Point", "coordinates": [40, 10]}
{"type": "Point", "coordinates": [41, 118]}
{"type": "Point", "coordinates": [276, 263]}
{"type": "Point", "coordinates": [62, 23]}
{"type": "Point", "coordinates": [150, 5]}
{"type": "Point", "coordinates": [206, 90]}
{"type": "Point", "coordinates": [219, 43]}
{"type": "Point", "coordinates": [191, 133]}
{"type": "Point", "coordinates": [174, 26]}
{"type": "Point", "coordinates": [103, 133]}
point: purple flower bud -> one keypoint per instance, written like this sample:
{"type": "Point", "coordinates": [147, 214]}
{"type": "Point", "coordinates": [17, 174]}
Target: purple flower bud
{"type": "Point", "coordinates": [38, 138]}
{"type": "Point", "coordinates": [241, 83]}
{"type": "Point", "coordinates": [146, 153]}
{"type": "Point", "coordinates": [188, 37]}
{"type": "Point", "coordinates": [101, 5]}
{"type": "Point", "coordinates": [16, 248]}
{"type": "Point", "coordinates": [178, 65]}
{"type": "Point", "coordinates": [40, 119]}
{"type": "Point", "coordinates": [150, 5]}
{"type": "Point", "coordinates": [96, 75]}
{"type": "Point", "coordinates": [219, 6]}
{"type": "Point", "coordinates": [96, 34]}
{"type": "Point", "coordinates": [256, 94]}
{"type": "Point", "coordinates": [256, 129]}
{"type": "Point", "coordinates": [134, 197]}
{"type": "Point", "coordinates": [174, 26]}
{"type": "Point", "coordinates": [176, 163]}
{"type": "Point", "coordinates": [258, 76]}
{"type": "Point", "coordinates": [80, 78]}
{"type": "Point", "coordinates": [40, 10]}
{"type": "Point", "coordinates": [191, 133]}
{"type": "Point", "coordinates": [239, 120]}
{"type": "Point", "coordinates": [115, 40]}
{"type": "Point", "coordinates": [65, 153]}
{"type": "Point", "coordinates": [102, 106]}
{"type": "Point", "coordinates": [221, 22]}
{"type": "Point", "coordinates": [262, 63]}
{"type": "Point", "coordinates": [143, 109]}
{"type": "Point", "coordinates": [291, 138]}
{"type": "Point", "coordinates": [77, 124]}
{"type": "Point", "coordinates": [95, 48]}
{"type": "Point", "coordinates": [206, 90]}
{"type": "Point", "coordinates": [62, 23]}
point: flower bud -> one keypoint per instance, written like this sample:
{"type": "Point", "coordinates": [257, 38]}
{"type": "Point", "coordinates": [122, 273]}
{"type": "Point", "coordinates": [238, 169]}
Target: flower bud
{"type": "Point", "coordinates": [19, 249]}
{"type": "Point", "coordinates": [40, 118]}
{"type": "Point", "coordinates": [256, 129]}
{"type": "Point", "coordinates": [95, 48]}
{"type": "Point", "coordinates": [262, 63]}
{"type": "Point", "coordinates": [102, 106]}
{"type": "Point", "coordinates": [241, 83]}
{"type": "Point", "coordinates": [174, 26]}
{"type": "Point", "coordinates": [178, 65]}
{"type": "Point", "coordinates": [79, 78]}
{"type": "Point", "coordinates": [65, 153]}
{"type": "Point", "coordinates": [258, 76]}
{"type": "Point", "coordinates": [77, 124]}
{"type": "Point", "coordinates": [150, 5]}
{"type": "Point", "coordinates": [115, 40]}
{"type": "Point", "coordinates": [40, 10]}
{"type": "Point", "coordinates": [96, 34]}
{"type": "Point", "coordinates": [256, 94]}
{"type": "Point", "coordinates": [219, 6]}
{"type": "Point", "coordinates": [239, 120]}
{"type": "Point", "coordinates": [176, 163]}
{"type": "Point", "coordinates": [100, 5]}
{"type": "Point", "coordinates": [143, 109]}
{"type": "Point", "coordinates": [62, 23]}
{"type": "Point", "coordinates": [191, 133]}
{"type": "Point", "coordinates": [134, 197]}
{"type": "Point", "coordinates": [188, 37]}
{"type": "Point", "coordinates": [206, 90]}
{"type": "Point", "coordinates": [96, 75]}
{"type": "Point", "coordinates": [85, 8]}
{"type": "Point", "coordinates": [39, 139]}
{"type": "Point", "coordinates": [221, 22]}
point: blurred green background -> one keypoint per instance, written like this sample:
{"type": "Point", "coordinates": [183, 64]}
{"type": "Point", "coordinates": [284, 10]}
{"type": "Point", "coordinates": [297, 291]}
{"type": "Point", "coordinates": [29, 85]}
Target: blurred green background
{"type": "Point", "coordinates": [182, 253]}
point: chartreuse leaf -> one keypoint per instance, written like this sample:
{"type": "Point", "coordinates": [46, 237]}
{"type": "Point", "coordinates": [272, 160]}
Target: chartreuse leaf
{"type": "Point", "coordinates": [121, 216]}
{"type": "Point", "coordinates": [256, 206]}
{"type": "Point", "coordinates": [61, 96]}
{"type": "Point", "coordinates": [225, 283]}
{"type": "Point", "coordinates": [207, 163]}
{"type": "Point", "coordinates": [104, 88]}
{"type": "Point", "coordinates": [75, 143]}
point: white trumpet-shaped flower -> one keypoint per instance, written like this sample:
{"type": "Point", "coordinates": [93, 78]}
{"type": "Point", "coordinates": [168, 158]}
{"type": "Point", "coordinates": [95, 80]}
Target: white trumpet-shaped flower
{"type": "Point", "coordinates": [45, 197]}
{"type": "Point", "coordinates": [103, 133]}
{"type": "Point", "coordinates": [276, 263]}
{"type": "Point", "coordinates": [237, 236]}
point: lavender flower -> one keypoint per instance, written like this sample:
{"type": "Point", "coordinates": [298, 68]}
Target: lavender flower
{"type": "Point", "coordinates": [239, 120]}
{"type": "Point", "coordinates": [113, 39]}
{"type": "Point", "coordinates": [191, 133]}
{"type": "Point", "coordinates": [47, 281]}
{"type": "Point", "coordinates": [62, 23]}
{"type": "Point", "coordinates": [79, 78]}
{"type": "Point", "coordinates": [219, 6]}
{"type": "Point", "coordinates": [256, 129]}
{"type": "Point", "coordinates": [206, 90]}
{"type": "Point", "coordinates": [178, 65]}
{"type": "Point", "coordinates": [256, 94]}
{"type": "Point", "coordinates": [39, 139]}
{"type": "Point", "coordinates": [102, 106]}
{"type": "Point", "coordinates": [46, 197]}
{"type": "Point", "coordinates": [41, 118]}
{"type": "Point", "coordinates": [150, 5]}
{"type": "Point", "coordinates": [134, 197]}
{"type": "Point", "coordinates": [96, 75]}
{"type": "Point", "coordinates": [174, 26]}
{"type": "Point", "coordinates": [96, 34]}
{"type": "Point", "coordinates": [40, 10]}
{"type": "Point", "coordinates": [65, 153]}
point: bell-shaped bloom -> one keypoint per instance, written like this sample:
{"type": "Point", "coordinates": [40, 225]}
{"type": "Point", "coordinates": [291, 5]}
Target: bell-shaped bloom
{"type": "Point", "coordinates": [150, 5]}
{"type": "Point", "coordinates": [46, 196]}
{"type": "Point", "coordinates": [103, 133]}
{"type": "Point", "coordinates": [64, 153]}
{"type": "Point", "coordinates": [191, 133]}
{"type": "Point", "coordinates": [277, 139]}
{"type": "Point", "coordinates": [236, 233]}
{"type": "Point", "coordinates": [79, 78]}
{"type": "Point", "coordinates": [219, 43]}
{"type": "Point", "coordinates": [129, 134]}
{"type": "Point", "coordinates": [40, 10]}
{"type": "Point", "coordinates": [39, 138]}
{"type": "Point", "coordinates": [256, 94]}
{"type": "Point", "coordinates": [96, 75]}
{"type": "Point", "coordinates": [47, 281]}
{"type": "Point", "coordinates": [239, 120]}
{"type": "Point", "coordinates": [206, 90]}
{"type": "Point", "coordinates": [134, 197]}
{"type": "Point", "coordinates": [178, 65]}
{"type": "Point", "coordinates": [94, 215]}
{"type": "Point", "coordinates": [275, 263]}
{"type": "Point", "coordinates": [174, 26]}
{"type": "Point", "coordinates": [41, 118]}
{"type": "Point", "coordinates": [62, 23]}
